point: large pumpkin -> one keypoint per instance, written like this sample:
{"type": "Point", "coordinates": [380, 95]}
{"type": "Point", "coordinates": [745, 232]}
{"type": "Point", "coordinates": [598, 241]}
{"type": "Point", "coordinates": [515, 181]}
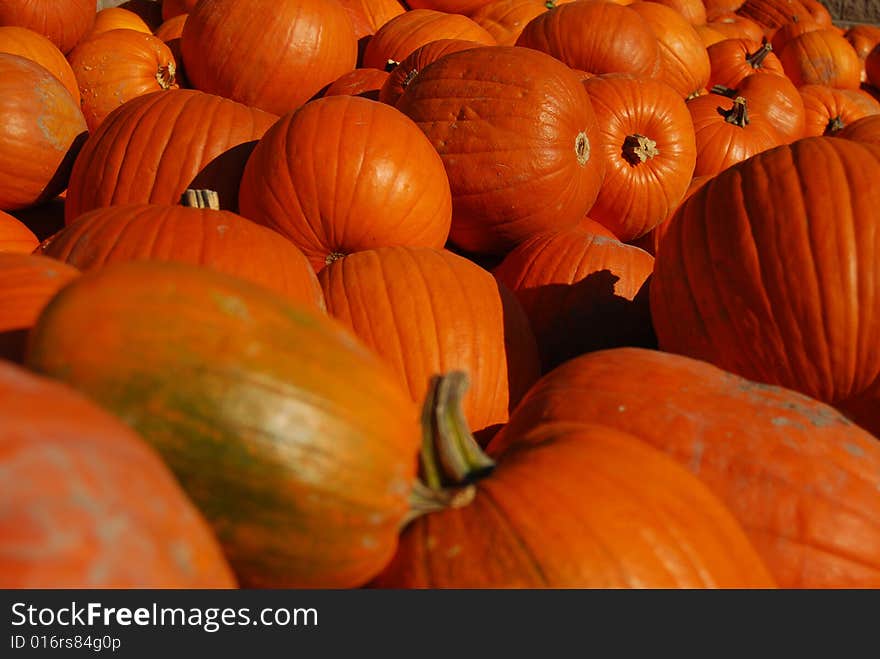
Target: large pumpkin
{"type": "Point", "coordinates": [40, 135]}
{"type": "Point", "coordinates": [429, 311]}
{"type": "Point", "coordinates": [290, 436]}
{"type": "Point", "coordinates": [769, 271]}
{"type": "Point", "coordinates": [270, 54]}
{"type": "Point", "coordinates": [387, 185]}
{"type": "Point", "coordinates": [799, 477]}
{"type": "Point", "coordinates": [33, 46]}
{"type": "Point", "coordinates": [146, 151]}
{"type": "Point", "coordinates": [516, 132]}
{"type": "Point", "coordinates": [87, 504]}
{"type": "Point", "coordinates": [63, 22]}
{"type": "Point", "coordinates": [201, 235]}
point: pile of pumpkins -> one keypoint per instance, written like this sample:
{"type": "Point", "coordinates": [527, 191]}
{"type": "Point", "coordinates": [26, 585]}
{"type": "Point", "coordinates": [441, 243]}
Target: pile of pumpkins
{"type": "Point", "coordinates": [459, 294]}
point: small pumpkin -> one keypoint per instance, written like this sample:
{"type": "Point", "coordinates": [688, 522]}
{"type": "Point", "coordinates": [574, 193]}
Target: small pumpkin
{"type": "Point", "coordinates": [733, 60]}
{"type": "Point", "coordinates": [863, 39]}
{"type": "Point", "coordinates": [773, 14]}
{"type": "Point", "coordinates": [776, 99]}
{"type": "Point", "coordinates": [788, 32]}
{"type": "Point", "coordinates": [828, 111]}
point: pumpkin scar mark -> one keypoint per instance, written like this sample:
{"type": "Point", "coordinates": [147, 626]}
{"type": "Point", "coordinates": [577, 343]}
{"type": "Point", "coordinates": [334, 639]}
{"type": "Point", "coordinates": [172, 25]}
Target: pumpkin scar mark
{"type": "Point", "coordinates": [854, 449]}
{"type": "Point", "coordinates": [697, 458]}
{"type": "Point", "coordinates": [231, 305]}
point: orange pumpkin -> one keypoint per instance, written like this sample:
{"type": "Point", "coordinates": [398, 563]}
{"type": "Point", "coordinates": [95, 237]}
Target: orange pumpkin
{"type": "Point", "coordinates": [405, 72]}
{"type": "Point", "coordinates": [733, 60]}
{"type": "Point", "coordinates": [822, 57]}
{"type": "Point", "coordinates": [64, 23]}
{"type": "Point", "coordinates": [33, 46]}
{"type": "Point", "coordinates": [506, 19]}
{"type": "Point", "coordinates": [360, 82]}
{"type": "Point", "coordinates": [15, 236]}
{"type": "Point", "coordinates": [829, 110]}
{"type": "Point", "coordinates": [367, 16]}
{"type": "Point", "coordinates": [776, 99]}
{"type": "Point", "coordinates": [117, 18]}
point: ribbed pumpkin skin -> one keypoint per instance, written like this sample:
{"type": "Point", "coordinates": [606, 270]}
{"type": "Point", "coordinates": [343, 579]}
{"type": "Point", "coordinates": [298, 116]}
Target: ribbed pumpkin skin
{"type": "Point", "coordinates": [360, 82]}
{"type": "Point", "coordinates": [404, 73]}
{"type": "Point", "coordinates": [430, 311]}
{"type": "Point", "coordinates": [790, 31]}
{"type": "Point", "coordinates": [863, 39]}
{"type": "Point", "coordinates": [709, 35]}
{"type": "Point", "coordinates": [779, 101]}
{"type": "Point", "coordinates": [30, 45]}
{"type": "Point", "coordinates": [27, 283]}
{"type": "Point", "coordinates": [864, 131]}
{"type": "Point", "coordinates": [516, 131]}
{"type": "Point", "coordinates": [771, 14]}
{"type": "Point", "coordinates": [637, 195]}
{"type": "Point", "coordinates": [828, 110]}
{"type": "Point", "coordinates": [387, 185]}
{"type": "Point", "coordinates": [403, 34]}
{"type": "Point", "coordinates": [729, 62]}
{"type": "Point", "coordinates": [270, 54]}
{"type": "Point", "coordinates": [67, 464]}
{"type": "Point", "coordinates": [294, 441]}
{"type": "Point", "coordinates": [464, 7]}
{"type": "Point", "coordinates": [803, 317]}
{"type": "Point", "coordinates": [506, 19]}
{"type": "Point", "coordinates": [117, 18]}
{"type": "Point", "coordinates": [15, 237]}
{"type": "Point", "coordinates": [693, 11]}
{"type": "Point", "coordinates": [596, 37]}
{"type": "Point", "coordinates": [799, 477]}
{"type": "Point", "coordinates": [683, 58]}
{"type": "Point", "coordinates": [220, 240]}
{"type": "Point", "coordinates": [579, 292]}
{"type": "Point", "coordinates": [580, 506]}
{"type": "Point", "coordinates": [159, 145]}
{"type": "Point", "coordinates": [111, 68]}
{"type": "Point", "coordinates": [733, 26]}
{"type": "Point", "coordinates": [822, 57]}
{"type": "Point", "coordinates": [367, 16]}
{"type": "Point", "coordinates": [40, 135]}
{"type": "Point", "coordinates": [64, 23]}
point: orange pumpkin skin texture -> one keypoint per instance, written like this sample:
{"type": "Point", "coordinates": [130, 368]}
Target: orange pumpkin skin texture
{"type": "Point", "coordinates": [822, 57]}
{"type": "Point", "coordinates": [389, 296]}
{"type": "Point", "coordinates": [709, 35]}
{"type": "Point", "coordinates": [292, 438]}
{"type": "Point", "coordinates": [220, 240]}
{"type": "Point", "coordinates": [863, 39]}
{"type": "Point", "coordinates": [127, 523]}
{"type": "Point", "coordinates": [269, 54]}
{"type": "Point", "coordinates": [581, 292]}
{"type": "Point", "coordinates": [172, 29]}
{"type": "Point", "coordinates": [777, 99]}
{"type": "Point", "coordinates": [733, 26]}
{"type": "Point", "coordinates": [647, 140]}
{"type": "Point", "coordinates": [801, 478]}
{"type": "Point", "coordinates": [728, 133]}
{"type": "Point", "coordinates": [872, 67]}
{"type": "Point", "coordinates": [404, 73]}
{"type": "Point", "coordinates": [41, 133]}
{"type": "Point", "coordinates": [403, 34]}
{"type": "Point", "coordinates": [506, 19]}
{"type": "Point", "coordinates": [865, 130]}
{"type": "Point", "coordinates": [790, 31]}
{"type": "Point", "coordinates": [140, 64]}
{"type": "Point", "coordinates": [464, 7]}
{"type": "Point", "coordinates": [829, 110]}
{"type": "Point", "coordinates": [715, 8]}
{"type": "Point", "coordinates": [733, 60]}
{"type": "Point", "coordinates": [63, 23]}
{"type": "Point", "coordinates": [116, 18]}
{"type": "Point", "coordinates": [367, 16]}
{"type": "Point", "coordinates": [15, 237]}
{"type": "Point", "coordinates": [30, 45]}
{"type": "Point", "coordinates": [516, 131]}
{"type": "Point", "coordinates": [596, 37]}
{"type": "Point", "coordinates": [684, 62]}
{"type": "Point", "coordinates": [802, 319]}
{"type": "Point", "coordinates": [145, 152]}
{"type": "Point", "coordinates": [772, 14]}
{"type": "Point", "coordinates": [551, 516]}
{"type": "Point", "coordinates": [388, 186]}
{"type": "Point", "coordinates": [650, 242]}
{"type": "Point", "coordinates": [693, 11]}
{"type": "Point", "coordinates": [360, 82]}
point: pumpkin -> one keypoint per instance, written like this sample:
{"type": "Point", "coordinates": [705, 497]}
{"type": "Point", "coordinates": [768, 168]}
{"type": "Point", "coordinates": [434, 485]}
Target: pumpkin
{"type": "Point", "coordinates": [488, 112]}
{"type": "Point", "coordinates": [693, 11]}
{"type": "Point", "coordinates": [145, 152]}
{"type": "Point", "coordinates": [772, 14]}
{"type": "Point", "coordinates": [172, 8]}
{"type": "Point", "coordinates": [650, 242]}
{"type": "Point", "coordinates": [27, 283]}
{"type": "Point", "coordinates": [172, 29]}
{"type": "Point", "coordinates": [403, 34]}
{"type": "Point", "coordinates": [863, 38]}
{"type": "Point", "coordinates": [776, 99]}
{"type": "Point", "coordinates": [732, 60]}
{"type": "Point", "coordinates": [293, 440]}
{"type": "Point", "coordinates": [865, 130]}
{"type": "Point", "coordinates": [684, 62]}
{"type": "Point", "coordinates": [550, 516]}
{"type": "Point", "coordinates": [596, 37]}
{"type": "Point", "coordinates": [800, 317]}
{"type": "Point", "coordinates": [505, 19]}
{"type": "Point", "coordinates": [709, 35]}
{"type": "Point", "coordinates": [33, 46]}
{"type": "Point", "coordinates": [799, 477]}
{"type": "Point", "coordinates": [360, 82]}
{"type": "Point", "coordinates": [270, 54]}
{"type": "Point", "coordinates": [367, 16]}
{"type": "Point", "coordinates": [733, 26]}
{"type": "Point", "coordinates": [140, 64]}
{"type": "Point", "coordinates": [200, 234]}
{"type": "Point", "coordinates": [822, 57]}
{"type": "Point", "coordinates": [40, 136]}
{"type": "Point", "coordinates": [388, 185]}
{"type": "Point", "coordinates": [67, 464]}
{"type": "Point", "coordinates": [647, 141]}
{"type": "Point", "coordinates": [464, 7]}
{"type": "Point", "coordinates": [590, 225]}
{"type": "Point", "coordinates": [581, 292]}
{"type": "Point", "coordinates": [715, 8]}
{"type": "Point", "coordinates": [727, 133]}
{"type": "Point", "coordinates": [790, 31]}
{"type": "Point", "coordinates": [405, 72]}
{"type": "Point", "coordinates": [15, 236]}
{"type": "Point", "coordinates": [872, 67]}
{"type": "Point", "coordinates": [828, 110]}
{"type": "Point", "coordinates": [428, 311]}
{"type": "Point", "coordinates": [116, 18]}
{"type": "Point", "coordinates": [63, 23]}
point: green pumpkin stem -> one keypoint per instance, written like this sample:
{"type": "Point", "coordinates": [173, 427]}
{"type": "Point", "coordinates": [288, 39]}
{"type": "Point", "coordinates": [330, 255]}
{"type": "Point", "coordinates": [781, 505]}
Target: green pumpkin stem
{"type": "Point", "coordinates": [757, 58]}
{"type": "Point", "coordinates": [721, 90]}
{"type": "Point", "coordinates": [550, 4]}
{"type": "Point", "coordinates": [201, 199]}
{"type": "Point", "coordinates": [738, 115]}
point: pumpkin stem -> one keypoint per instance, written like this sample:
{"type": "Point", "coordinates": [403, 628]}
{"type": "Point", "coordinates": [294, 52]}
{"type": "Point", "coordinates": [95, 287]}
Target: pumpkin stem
{"type": "Point", "coordinates": [550, 4]}
{"type": "Point", "coordinates": [332, 257]}
{"type": "Point", "coordinates": [582, 148]}
{"type": "Point", "coordinates": [390, 65]}
{"type": "Point", "coordinates": [834, 126]}
{"type": "Point", "coordinates": [201, 199]}
{"type": "Point", "coordinates": [724, 91]}
{"type": "Point", "coordinates": [165, 76]}
{"type": "Point", "coordinates": [450, 459]}
{"type": "Point", "coordinates": [757, 58]}
{"type": "Point", "coordinates": [408, 78]}
{"type": "Point", "coordinates": [638, 148]}
{"type": "Point", "coordinates": [738, 115]}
